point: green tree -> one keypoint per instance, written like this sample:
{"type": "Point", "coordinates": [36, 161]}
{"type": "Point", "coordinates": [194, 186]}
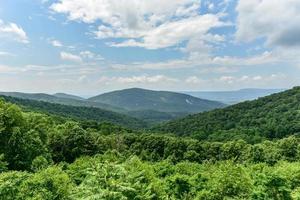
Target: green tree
{"type": "Point", "coordinates": [10, 184]}
{"type": "Point", "coordinates": [69, 141]}
{"type": "Point", "coordinates": [3, 164]}
{"type": "Point", "coordinates": [51, 183]}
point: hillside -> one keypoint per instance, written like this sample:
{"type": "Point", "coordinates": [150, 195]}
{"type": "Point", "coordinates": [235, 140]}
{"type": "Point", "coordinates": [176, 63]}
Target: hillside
{"type": "Point", "coordinates": [67, 96]}
{"type": "Point", "coordinates": [61, 98]}
{"type": "Point", "coordinates": [150, 106]}
{"type": "Point", "coordinates": [44, 159]}
{"type": "Point", "coordinates": [77, 112]}
{"type": "Point", "coordinates": [274, 116]}
{"type": "Point", "coordinates": [232, 97]}
{"type": "Point", "coordinates": [153, 117]}
{"type": "Point", "coordinates": [136, 99]}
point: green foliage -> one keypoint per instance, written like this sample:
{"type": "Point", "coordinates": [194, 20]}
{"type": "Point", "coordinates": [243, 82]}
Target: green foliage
{"type": "Point", "coordinates": [22, 140]}
{"type": "Point", "coordinates": [153, 117]}
{"type": "Point", "coordinates": [272, 117]}
{"type": "Point", "coordinates": [111, 177]}
{"type": "Point", "coordinates": [51, 183]}
{"type": "Point", "coordinates": [63, 159]}
{"type": "Point", "coordinates": [115, 180]}
{"type": "Point", "coordinates": [11, 119]}
{"type": "Point", "coordinates": [24, 148]}
{"type": "Point", "coordinates": [227, 181]}
{"type": "Point", "coordinates": [11, 184]}
{"type": "Point", "coordinates": [39, 163]}
{"type": "Point", "coordinates": [79, 113]}
{"type": "Point", "coordinates": [48, 184]}
{"type": "Point", "coordinates": [69, 141]}
{"type": "Point", "coordinates": [3, 164]}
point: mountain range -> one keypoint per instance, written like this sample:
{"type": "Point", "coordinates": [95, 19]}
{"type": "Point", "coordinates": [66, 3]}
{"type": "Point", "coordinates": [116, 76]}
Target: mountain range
{"type": "Point", "coordinates": [78, 113]}
{"type": "Point", "coordinates": [147, 105]}
{"type": "Point", "coordinates": [61, 98]}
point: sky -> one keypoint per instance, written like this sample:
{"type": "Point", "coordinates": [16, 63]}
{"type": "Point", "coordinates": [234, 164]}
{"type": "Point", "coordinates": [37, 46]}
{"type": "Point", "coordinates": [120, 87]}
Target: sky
{"type": "Point", "coordinates": [87, 47]}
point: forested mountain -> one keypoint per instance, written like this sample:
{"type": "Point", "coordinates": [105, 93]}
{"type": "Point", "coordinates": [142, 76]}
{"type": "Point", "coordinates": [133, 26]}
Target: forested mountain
{"type": "Point", "coordinates": [136, 99]}
{"type": "Point", "coordinates": [233, 97]}
{"type": "Point", "coordinates": [274, 116]}
{"type": "Point", "coordinates": [150, 106]}
{"type": "Point", "coordinates": [153, 117]}
{"type": "Point", "coordinates": [61, 99]}
{"type": "Point", "coordinates": [77, 112]}
{"type": "Point", "coordinates": [42, 158]}
{"type": "Point", "coordinates": [67, 96]}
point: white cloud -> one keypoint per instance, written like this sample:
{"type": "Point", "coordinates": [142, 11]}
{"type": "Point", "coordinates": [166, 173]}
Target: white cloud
{"type": "Point", "coordinates": [82, 78]}
{"type": "Point", "coordinates": [147, 79]}
{"type": "Point", "coordinates": [211, 6]}
{"type": "Point", "coordinates": [172, 33]}
{"type": "Point", "coordinates": [8, 70]}
{"type": "Point", "coordinates": [143, 79]}
{"type": "Point", "coordinates": [277, 21]}
{"type": "Point", "coordinates": [227, 79]}
{"type": "Point", "coordinates": [84, 57]}
{"type": "Point", "coordinates": [193, 80]}
{"type": "Point", "coordinates": [204, 62]}
{"type": "Point", "coordinates": [4, 53]}
{"type": "Point", "coordinates": [244, 78]}
{"type": "Point", "coordinates": [251, 80]}
{"type": "Point", "coordinates": [142, 23]}
{"type": "Point", "coordinates": [13, 31]}
{"type": "Point", "coordinates": [257, 78]}
{"type": "Point", "coordinates": [219, 70]}
{"type": "Point", "coordinates": [61, 70]}
{"type": "Point", "coordinates": [70, 57]}
{"type": "Point", "coordinates": [56, 43]}
{"type": "Point", "coordinates": [171, 64]}
{"type": "Point", "coordinates": [120, 11]}
{"type": "Point", "coordinates": [264, 58]}
{"type": "Point", "coordinates": [90, 55]}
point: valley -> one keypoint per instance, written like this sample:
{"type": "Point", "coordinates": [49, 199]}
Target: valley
{"type": "Point", "coordinates": [72, 147]}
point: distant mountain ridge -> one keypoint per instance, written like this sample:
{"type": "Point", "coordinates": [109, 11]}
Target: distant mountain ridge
{"type": "Point", "coordinates": [61, 98]}
{"type": "Point", "coordinates": [77, 112]}
{"type": "Point", "coordinates": [147, 105]}
{"type": "Point", "coordinates": [68, 96]}
{"type": "Point", "coordinates": [235, 96]}
{"type": "Point", "coordinates": [137, 99]}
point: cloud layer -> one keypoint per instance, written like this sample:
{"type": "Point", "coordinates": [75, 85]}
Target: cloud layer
{"type": "Point", "coordinates": [142, 23]}
{"type": "Point", "coordinates": [277, 21]}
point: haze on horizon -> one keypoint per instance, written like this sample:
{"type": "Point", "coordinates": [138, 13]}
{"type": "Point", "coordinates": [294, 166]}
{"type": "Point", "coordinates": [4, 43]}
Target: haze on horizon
{"type": "Point", "coordinates": [87, 47]}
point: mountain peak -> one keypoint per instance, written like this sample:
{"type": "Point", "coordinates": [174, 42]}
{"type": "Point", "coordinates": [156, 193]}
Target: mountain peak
{"type": "Point", "coordinates": [67, 96]}
{"type": "Point", "coordinates": [134, 99]}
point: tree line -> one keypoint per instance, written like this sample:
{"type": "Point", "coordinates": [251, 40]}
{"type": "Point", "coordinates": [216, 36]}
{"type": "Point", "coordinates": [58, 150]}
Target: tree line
{"type": "Point", "coordinates": [42, 157]}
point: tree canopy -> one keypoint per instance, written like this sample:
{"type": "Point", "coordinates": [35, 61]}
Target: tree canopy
{"type": "Point", "coordinates": [45, 157]}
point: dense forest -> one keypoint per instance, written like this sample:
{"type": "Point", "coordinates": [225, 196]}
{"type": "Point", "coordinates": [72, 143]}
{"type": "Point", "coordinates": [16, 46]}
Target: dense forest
{"type": "Point", "coordinates": [78, 113]}
{"type": "Point", "coordinates": [46, 157]}
{"type": "Point", "coordinates": [271, 117]}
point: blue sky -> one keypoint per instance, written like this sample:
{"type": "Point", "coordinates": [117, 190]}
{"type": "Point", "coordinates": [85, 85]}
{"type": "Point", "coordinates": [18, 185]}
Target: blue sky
{"type": "Point", "coordinates": [88, 47]}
